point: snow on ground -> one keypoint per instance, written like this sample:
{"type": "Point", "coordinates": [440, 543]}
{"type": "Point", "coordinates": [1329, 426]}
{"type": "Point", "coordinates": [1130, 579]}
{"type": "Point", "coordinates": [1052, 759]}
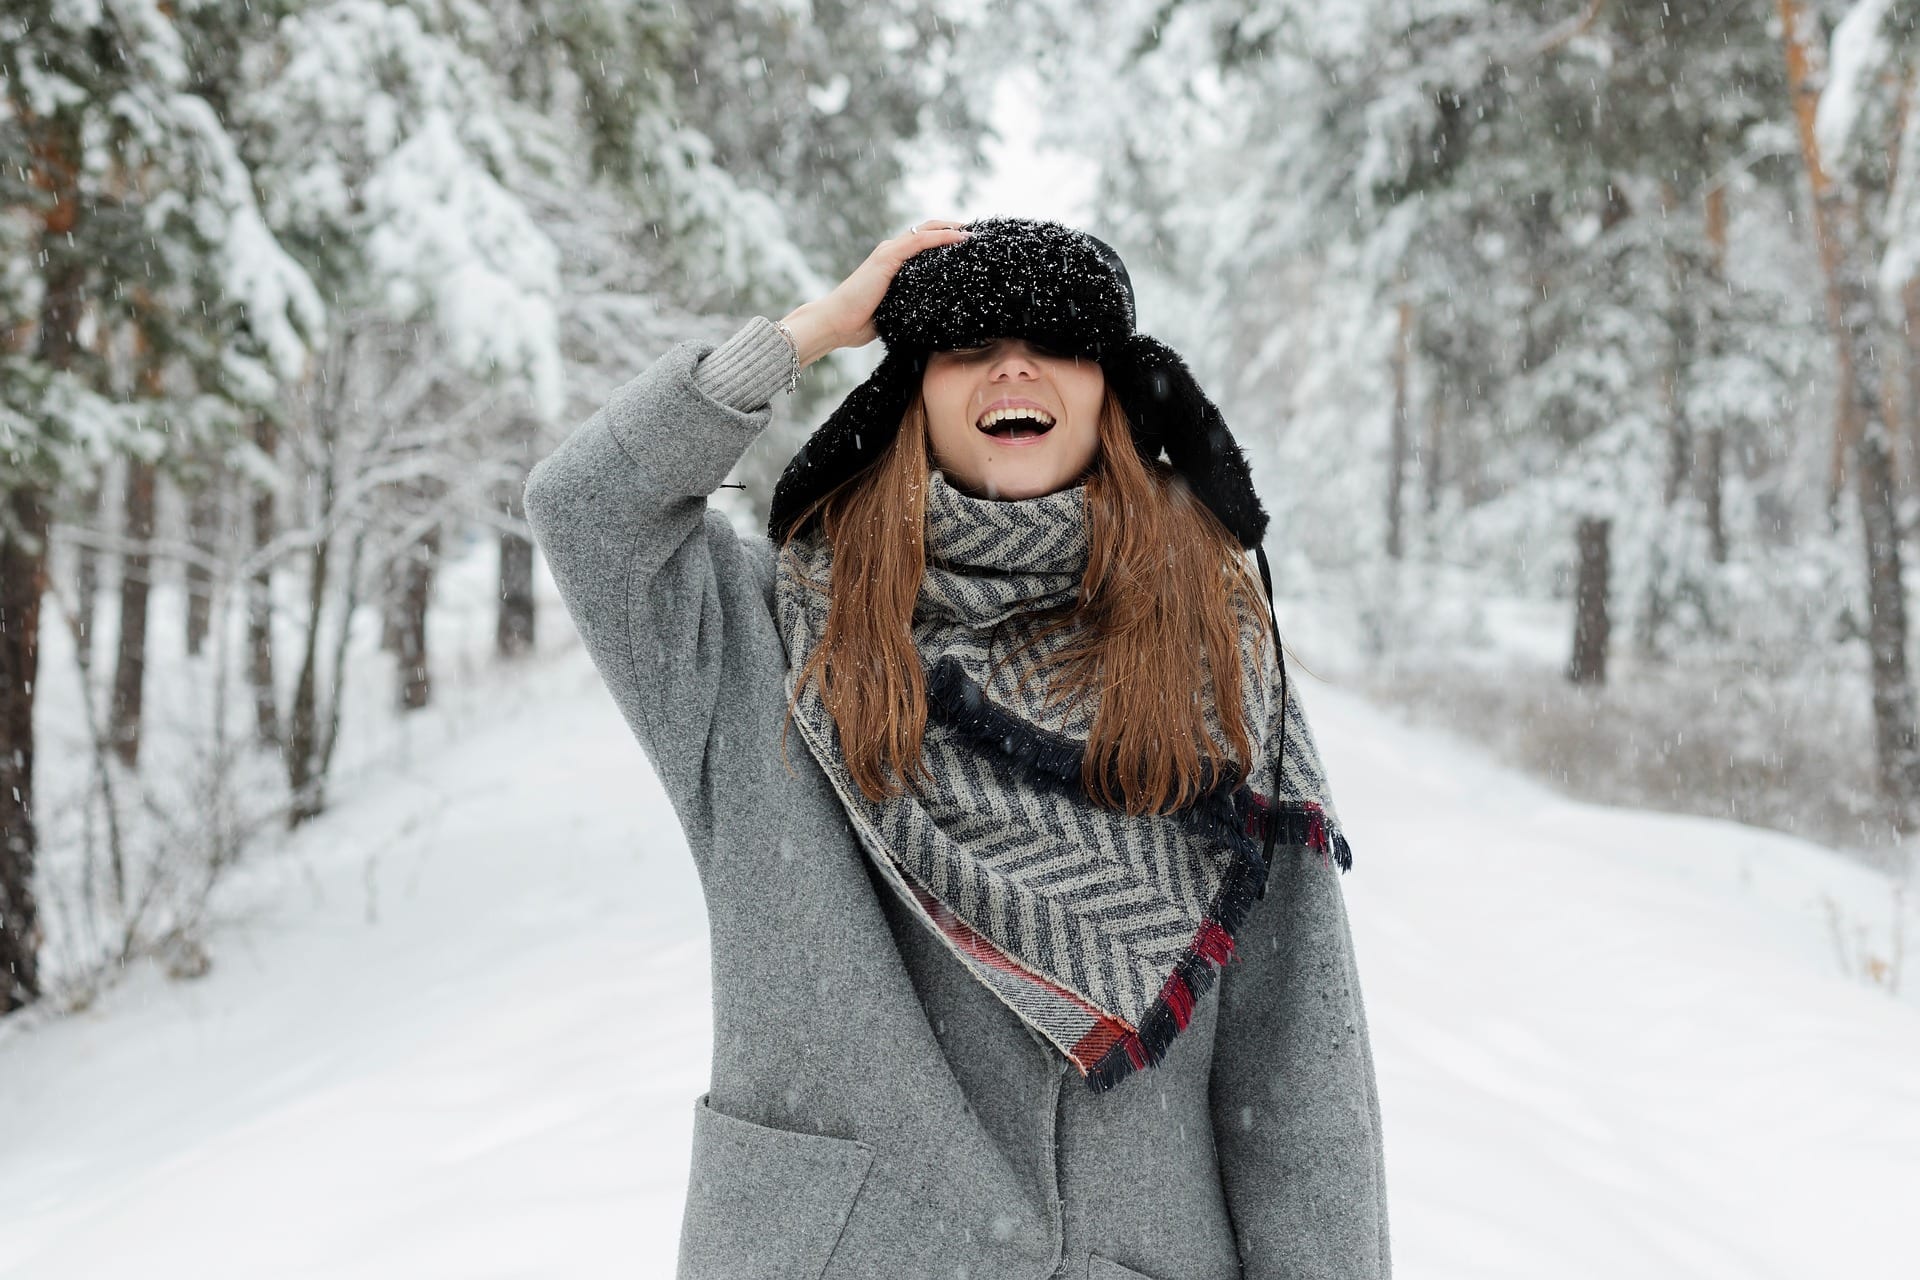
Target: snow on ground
{"type": "Point", "coordinates": [455, 1029]}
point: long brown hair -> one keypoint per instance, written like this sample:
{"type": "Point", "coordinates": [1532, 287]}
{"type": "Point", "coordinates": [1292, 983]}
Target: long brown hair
{"type": "Point", "coordinates": [1158, 625]}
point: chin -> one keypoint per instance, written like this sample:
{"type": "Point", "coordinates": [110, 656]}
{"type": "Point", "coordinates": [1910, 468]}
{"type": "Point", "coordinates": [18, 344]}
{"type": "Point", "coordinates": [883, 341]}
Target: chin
{"type": "Point", "coordinates": [1012, 488]}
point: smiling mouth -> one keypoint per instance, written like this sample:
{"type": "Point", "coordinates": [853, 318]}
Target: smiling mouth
{"type": "Point", "coordinates": [1016, 424]}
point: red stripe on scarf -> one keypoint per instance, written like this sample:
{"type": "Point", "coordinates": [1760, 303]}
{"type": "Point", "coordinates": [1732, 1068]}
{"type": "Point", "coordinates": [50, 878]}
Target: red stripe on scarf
{"type": "Point", "coordinates": [1213, 943]}
{"type": "Point", "coordinates": [976, 945]}
{"type": "Point", "coordinates": [1317, 831]}
{"type": "Point", "coordinates": [1179, 998]}
{"type": "Point", "coordinates": [1093, 1046]}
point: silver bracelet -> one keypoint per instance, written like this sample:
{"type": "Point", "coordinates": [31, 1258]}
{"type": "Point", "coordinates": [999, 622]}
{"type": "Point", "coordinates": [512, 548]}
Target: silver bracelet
{"type": "Point", "coordinates": [793, 355]}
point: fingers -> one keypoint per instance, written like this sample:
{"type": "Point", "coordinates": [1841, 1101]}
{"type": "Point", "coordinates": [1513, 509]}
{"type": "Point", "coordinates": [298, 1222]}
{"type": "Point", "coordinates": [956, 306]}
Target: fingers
{"type": "Point", "coordinates": [923, 235]}
{"type": "Point", "coordinates": [932, 228]}
{"type": "Point", "coordinates": [889, 254]}
{"type": "Point", "coordinates": [860, 293]}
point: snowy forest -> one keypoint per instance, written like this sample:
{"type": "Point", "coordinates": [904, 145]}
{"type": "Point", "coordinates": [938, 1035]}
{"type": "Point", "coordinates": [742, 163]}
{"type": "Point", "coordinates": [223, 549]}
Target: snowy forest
{"type": "Point", "coordinates": [1575, 345]}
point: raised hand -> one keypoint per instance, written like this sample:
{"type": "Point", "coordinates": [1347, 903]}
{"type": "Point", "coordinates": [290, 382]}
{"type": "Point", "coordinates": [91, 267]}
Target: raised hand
{"type": "Point", "coordinates": [844, 317]}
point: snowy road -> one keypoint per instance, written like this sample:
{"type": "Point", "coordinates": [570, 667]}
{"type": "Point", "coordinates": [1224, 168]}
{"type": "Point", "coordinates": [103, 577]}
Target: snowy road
{"type": "Point", "coordinates": [457, 1028]}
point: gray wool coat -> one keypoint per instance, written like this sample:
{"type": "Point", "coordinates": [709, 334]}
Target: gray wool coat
{"type": "Point", "coordinates": [874, 1111]}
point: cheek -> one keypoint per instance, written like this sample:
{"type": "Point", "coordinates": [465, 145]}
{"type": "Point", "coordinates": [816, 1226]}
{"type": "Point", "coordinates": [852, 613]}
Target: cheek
{"type": "Point", "coordinates": [1086, 442]}
{"type": "Point", "coordinates": [946, 403]}
{"type": "Point", "coordinates": [1087, 399]}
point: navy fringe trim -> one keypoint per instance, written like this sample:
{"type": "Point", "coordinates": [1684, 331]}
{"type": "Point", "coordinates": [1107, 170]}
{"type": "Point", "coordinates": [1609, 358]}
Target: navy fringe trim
{"type": "Point", "coordinates": [1049, 757]}
{"type": "Point", "coordinates": [1227, 811]}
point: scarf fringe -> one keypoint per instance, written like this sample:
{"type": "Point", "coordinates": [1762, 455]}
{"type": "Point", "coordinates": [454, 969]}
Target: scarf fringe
{"type": "Point", "coordinates": [1049, 757]}
{"type": "Point", "coordinates": [1227, 810]}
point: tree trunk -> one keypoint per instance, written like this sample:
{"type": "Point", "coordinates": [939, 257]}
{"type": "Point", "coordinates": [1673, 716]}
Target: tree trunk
{"type": "Point", "coordinates": [1430, 462]}
{"type": "Point", "coordinates": [1679, 323]}
{"type": "Point", "coordinates": [1398, 445]}
{"type": "Point", "coordinates": [266, 716]}
{"type": "Point", "coordinates": [1590, 621]}
{"type": "Point", "coordinates": [1713, 462]}
{"type": "Point", "coordinates": [1896, 750]}
{"type": "Point", "coordinates": [1806, 75]}
{"type": "Point", "coordinates": [86, 580]}
{"type": "Point", "coordinates": [513, 627]}
{"type": "Point", "coordinates": [1910, 418]}
{"type": "Point", "coordinates": [23, 575]}
{"type": "Point", "coordinates": [303, 724]}
{"type": "Point", "coordinates": [1853, 313]}
{"type": "Point", "coordinates": [416, 591]}
{"type": "Point", "coordinates": [1667, 553]}
{"type": "Point", "coordinates": [393, 609]}
{"type": "Point", "coordinates": [23, 579]}
{"type": "Point", "coordinates": [130, 666]}
{"type": "Point", "coordinates": [307, 738]}
{"type": "Point", "coordinates": [336, 696]}
{"type": "Point", "coordinates": [1713, 474]}
{"type": "Point", "coordinates": [1899, 389]}
{"type": "Point", "coordinates": [136, 565]}
{"type": "Point", "coordinates": [203, 531]}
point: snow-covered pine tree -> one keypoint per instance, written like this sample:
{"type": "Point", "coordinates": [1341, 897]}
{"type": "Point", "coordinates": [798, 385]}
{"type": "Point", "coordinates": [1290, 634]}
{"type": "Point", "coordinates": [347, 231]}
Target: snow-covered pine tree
{"type": "Point", "coordinates": [391, 161]}
{"type": "Point", "coordinates": [568, 184]}
{"type": "Point", "coordinates": [1552, 170]}
{"type": "Point", "coordinates": [486, 193]}
{"type": "Point", "coordinates": [819, 106]}
{"type": "Point", "coordinates": [1594, 213]}
{"type": "Point", "coordinates": [136, 229]}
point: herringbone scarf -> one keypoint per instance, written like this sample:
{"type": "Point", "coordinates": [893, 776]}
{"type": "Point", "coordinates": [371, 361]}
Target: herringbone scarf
{"type": "Point", "coordinates": [1100, 929]}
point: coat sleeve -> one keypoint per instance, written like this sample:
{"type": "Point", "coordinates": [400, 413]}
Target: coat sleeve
{"type": "Point", "coordinates": [670, 602]}
{"type": "Point", "coordinates": [1296, 1110]}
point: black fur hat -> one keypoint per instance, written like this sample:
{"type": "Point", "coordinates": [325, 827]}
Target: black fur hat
{"type": "Point", "coordinates": [1059, 288]}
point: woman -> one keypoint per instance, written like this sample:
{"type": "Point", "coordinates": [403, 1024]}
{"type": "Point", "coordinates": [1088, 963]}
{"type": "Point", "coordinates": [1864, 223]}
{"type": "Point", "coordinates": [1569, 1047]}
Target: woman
{"type": "Point", "coordinates": [963, 941]}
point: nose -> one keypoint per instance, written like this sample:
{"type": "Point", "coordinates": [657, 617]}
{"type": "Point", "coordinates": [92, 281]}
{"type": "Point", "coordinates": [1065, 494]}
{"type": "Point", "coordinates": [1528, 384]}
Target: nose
{"type": "Point", "coordinates": [1013, 359]}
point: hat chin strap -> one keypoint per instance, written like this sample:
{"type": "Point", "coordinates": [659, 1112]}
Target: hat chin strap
{"type": "Point", "coordinates": [1280, 747]}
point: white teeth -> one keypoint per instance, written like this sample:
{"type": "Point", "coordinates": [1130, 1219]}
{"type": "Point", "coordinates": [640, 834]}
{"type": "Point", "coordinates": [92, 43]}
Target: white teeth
{"type": "Point", "coordinates": [995, 415]}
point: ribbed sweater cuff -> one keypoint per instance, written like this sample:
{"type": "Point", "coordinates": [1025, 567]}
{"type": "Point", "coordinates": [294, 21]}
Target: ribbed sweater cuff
{"type": "Point", "coordinates": [744, 371]}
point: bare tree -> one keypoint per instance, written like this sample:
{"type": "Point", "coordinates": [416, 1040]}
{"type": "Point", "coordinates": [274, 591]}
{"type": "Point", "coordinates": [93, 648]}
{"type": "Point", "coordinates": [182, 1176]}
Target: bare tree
{"type": "Point", "coordinates": [203, 532]}
{"type": "Point", "coordinates": [1591, 625]}
{"type": "Point", "coordinates": [136, 569]}
{"type": "Point", "coordinates": [260, 595]}
{"type": "Point", "coordinates": [416, 570]}
{"type": "Point", "coordinates": [1713, 459]}
{"type": "Point", "coordinates": [513, 627]}
{"type": "Point", "coordinates": [86, 578]}
{"type": "Point", "coordinates": [1400, 443]}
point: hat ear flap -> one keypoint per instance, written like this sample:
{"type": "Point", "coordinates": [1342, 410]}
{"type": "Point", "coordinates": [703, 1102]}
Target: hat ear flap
{"type": "Point", "coordinates": [1169, 411]}
{"type": "Point", "coordinates": [851, 439]}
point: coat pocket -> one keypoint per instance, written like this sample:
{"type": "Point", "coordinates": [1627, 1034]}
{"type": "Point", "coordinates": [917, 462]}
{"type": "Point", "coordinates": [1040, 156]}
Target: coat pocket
{"type": "Point", "coordinates": [1099, 1268]}
{"type": "Point", "coordinates": [762, 1203]}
